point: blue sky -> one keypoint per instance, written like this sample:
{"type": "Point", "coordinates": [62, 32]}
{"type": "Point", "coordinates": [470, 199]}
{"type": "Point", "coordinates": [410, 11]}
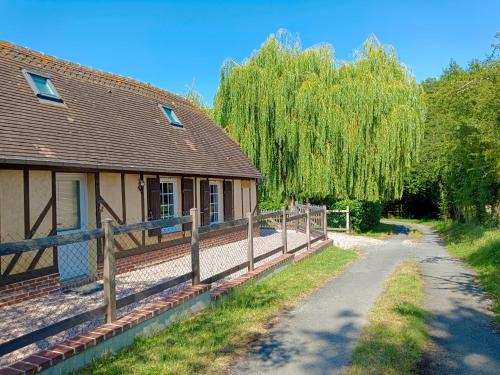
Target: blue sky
{"type": "Point", "coordinates": [171, 44]}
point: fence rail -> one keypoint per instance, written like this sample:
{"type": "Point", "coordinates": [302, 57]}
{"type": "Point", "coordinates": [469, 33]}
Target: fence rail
{"type": "Point", "coordinates": [266, 235]}
{"type": "Point", "coordinates": [347, 213]}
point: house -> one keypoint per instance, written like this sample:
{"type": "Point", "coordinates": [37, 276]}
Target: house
{"type": "Point", "coordinates": [78, 145]}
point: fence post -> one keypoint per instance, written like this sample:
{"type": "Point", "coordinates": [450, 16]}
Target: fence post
{"type": "Point", "coordinates": [109, 271]}
{"type": "Point", "coordinates": [283, 230]}
{"type": "Point", "coordinates": [308, 227]}
{"type": "Point", "coordinates": [250, 241]}
{"type": "Point", "coordinates": [195, 246]}
{"type": "Point", "coordinates": [325, 222]}
{"type": "Point", "coordinates": [347, 220]}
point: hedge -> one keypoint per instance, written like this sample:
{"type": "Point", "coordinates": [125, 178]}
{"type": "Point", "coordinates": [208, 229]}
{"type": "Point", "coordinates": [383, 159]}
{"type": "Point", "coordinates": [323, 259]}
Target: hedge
{"type": "Point", "coordinates": [364, 215]}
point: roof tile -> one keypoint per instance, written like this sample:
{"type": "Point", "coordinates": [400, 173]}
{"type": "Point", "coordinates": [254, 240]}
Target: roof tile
{"type": "Point", "coordinates": [107, 122]}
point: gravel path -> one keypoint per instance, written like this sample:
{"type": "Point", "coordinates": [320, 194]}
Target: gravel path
{"type": "Point", "coordinates": [28, 316]}
{"type": "Point", "coordinates": [349, 241]}
{"type": "Point", "coordinates": [318, 337]}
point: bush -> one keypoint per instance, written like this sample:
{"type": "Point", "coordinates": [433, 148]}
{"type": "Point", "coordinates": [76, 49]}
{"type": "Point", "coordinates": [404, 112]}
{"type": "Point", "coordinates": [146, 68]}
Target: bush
{"type": "Point", "coordinates": [271, 206]}
{"type": "Point", "coordinates": [364, 215]}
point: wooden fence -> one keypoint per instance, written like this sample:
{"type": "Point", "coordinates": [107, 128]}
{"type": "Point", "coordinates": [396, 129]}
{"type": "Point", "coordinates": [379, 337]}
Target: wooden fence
{"type": "Point", "coordinates": [108, 309]}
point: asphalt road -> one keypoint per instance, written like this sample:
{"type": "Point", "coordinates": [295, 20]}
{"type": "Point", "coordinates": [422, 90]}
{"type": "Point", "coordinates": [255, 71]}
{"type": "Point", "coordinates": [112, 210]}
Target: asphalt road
{"type": "Point", "coordinates": [318, 336]}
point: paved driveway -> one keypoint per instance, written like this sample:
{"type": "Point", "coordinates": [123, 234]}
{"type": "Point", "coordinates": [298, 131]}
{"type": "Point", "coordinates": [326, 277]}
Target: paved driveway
{"type": "Point", "coordinates": [318, 337]}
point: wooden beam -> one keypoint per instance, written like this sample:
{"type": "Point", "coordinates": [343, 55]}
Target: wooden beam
{"type": "Point", "coordinates": [38, 255]}
{"type": "Point", "coordinates": [110, 210]}
{"type": "Point", "coordinates": [143, 234]}
{"type": "Point", "coordinates": [118, 220]}
{"type": "Point", "coordinates": [54, 215]}
{"type": "Point", "coordinates": [40, 219]}
{"type": "Point", "coordinates": [133, 298]}
{"type": "Point", "coordinates": [7, 248]}
{"type": "Point", "coordinates": [124, 203]}
{"type": "Point", "coordinates": [225, 273]}
{"type": "Point", "coordinates": [51, 330]}
{"type": "Point", "coordinates": [98, 224]}
{"type": "Point", "coordinates": [26, 193]}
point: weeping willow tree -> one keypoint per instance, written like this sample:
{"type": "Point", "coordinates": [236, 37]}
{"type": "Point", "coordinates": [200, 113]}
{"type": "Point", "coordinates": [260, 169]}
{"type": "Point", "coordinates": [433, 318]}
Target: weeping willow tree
{"type": "Point", "coordinates": [316, 128]}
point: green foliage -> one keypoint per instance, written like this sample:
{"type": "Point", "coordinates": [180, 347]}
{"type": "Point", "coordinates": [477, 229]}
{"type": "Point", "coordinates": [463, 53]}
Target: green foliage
{"type": "Point", "coordinates": [315, 128]}
{"type": "Point", "coordinates": [460, 157]}
{"type": "Point", "coordinates": [196, 98]}
{"type": "Point", "coordinates": [364, 215]}
{"type": "Point", "coordinates": [272, 206]}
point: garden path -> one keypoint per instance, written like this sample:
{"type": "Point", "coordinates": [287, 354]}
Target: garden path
{"type": "Point", "coordinates": [318, 337]}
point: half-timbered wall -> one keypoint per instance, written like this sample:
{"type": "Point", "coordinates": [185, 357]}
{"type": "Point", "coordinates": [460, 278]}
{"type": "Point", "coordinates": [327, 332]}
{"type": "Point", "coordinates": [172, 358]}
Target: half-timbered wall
{"type": "Point", "coordinates": [27, 204]}
{"type": "Point", "coordinates": [26, 211]}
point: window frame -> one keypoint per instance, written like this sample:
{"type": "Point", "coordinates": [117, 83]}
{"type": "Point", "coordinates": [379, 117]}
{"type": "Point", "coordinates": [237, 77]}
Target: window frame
{"type": "Point", "coordinates": [175, 124]}
{"type": "Point", "coordinates": [173, 181]}
{"type": "Point", "coordinates": [43, 97]}
{"type": "Point", "coordinates": [220, 218]}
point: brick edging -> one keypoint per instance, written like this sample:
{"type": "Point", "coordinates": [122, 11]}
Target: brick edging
{"type": "Point", "coordinates": [319, 246]}
{"type": "Point", "coordinates": [228, 286]}
{"type": "Point", "coordinates": [68, 348]}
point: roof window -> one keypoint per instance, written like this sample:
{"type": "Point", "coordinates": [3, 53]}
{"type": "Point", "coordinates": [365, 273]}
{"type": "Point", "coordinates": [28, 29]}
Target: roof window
{"type": "Point", "coordinates": [172, 117]}
{"type": "Point", "coordinates": [43, 87]}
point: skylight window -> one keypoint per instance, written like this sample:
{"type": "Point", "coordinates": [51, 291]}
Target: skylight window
{"type": "Point", "coordinates": [43, 87]}
{"type": "Point", "coordinates": [172, 117]}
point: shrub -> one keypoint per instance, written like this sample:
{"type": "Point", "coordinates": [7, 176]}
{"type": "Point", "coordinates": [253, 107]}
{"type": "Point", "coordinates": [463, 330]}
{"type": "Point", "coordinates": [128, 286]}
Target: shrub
{"type": "Point", "coordinates": [364, 215]}
{"type": "Point", "coordinates": [272, 206]}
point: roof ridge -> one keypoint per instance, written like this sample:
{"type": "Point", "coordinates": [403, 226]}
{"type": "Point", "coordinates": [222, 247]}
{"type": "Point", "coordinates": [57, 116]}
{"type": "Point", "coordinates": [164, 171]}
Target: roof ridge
{"type": "Point", "coordinates": [94, 75]}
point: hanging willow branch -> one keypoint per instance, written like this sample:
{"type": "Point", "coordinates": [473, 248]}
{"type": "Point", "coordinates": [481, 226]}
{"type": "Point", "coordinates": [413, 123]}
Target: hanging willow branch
{"type": "Point", "coordinates": [315, 128]}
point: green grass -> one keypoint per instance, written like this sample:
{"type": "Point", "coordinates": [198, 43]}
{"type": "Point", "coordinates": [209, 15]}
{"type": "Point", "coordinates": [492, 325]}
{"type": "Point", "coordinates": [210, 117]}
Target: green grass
{"type": "Point", "coordinates": [395, 337]}
{"type": "Point", "coordinates": [430, 222]}
{"type": "Point", "coordinates": [415, 234]}
{"type": "Point", "coordinates": [380, 231]}
{"type": "Point", "coordinates": [479, 247]}
{"type": "Point", "coordinates": [208, 342]}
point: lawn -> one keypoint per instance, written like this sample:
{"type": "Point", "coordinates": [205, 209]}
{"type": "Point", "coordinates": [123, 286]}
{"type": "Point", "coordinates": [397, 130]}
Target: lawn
{"type": "Point", "coordinates": [379, 231]}
{"type": "Point", "coordinates": [430, 222]}
{"type": "Point", "coordinates": [208, 342]}
{"type": "Point", "coordinates": [395, 337]}
{"type": "Point", "coordinates": [479, 247]}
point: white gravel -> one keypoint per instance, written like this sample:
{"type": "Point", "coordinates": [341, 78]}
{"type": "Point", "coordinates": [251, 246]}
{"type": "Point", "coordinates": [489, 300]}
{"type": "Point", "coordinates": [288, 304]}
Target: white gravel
{"type": "Point", "coordinates": [350, 241]}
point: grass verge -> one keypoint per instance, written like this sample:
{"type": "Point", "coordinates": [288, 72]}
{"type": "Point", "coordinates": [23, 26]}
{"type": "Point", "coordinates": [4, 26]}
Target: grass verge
{"type": "Point", "coordinates": [430, 222]}
{"type": "Point", "coordinates": [207, 343]}
{"type": "Point", "coordinates": [379, 231]}
{"type": "Point", "coordinates": [479, 247]}
{"type": "Point", "coordinates": [414, 234]}
{"type": "Point", "coordinates": [395, 337]}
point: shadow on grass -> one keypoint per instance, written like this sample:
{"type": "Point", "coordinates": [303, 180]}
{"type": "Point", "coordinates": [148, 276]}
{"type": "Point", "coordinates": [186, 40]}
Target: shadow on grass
{"type": "Point", "coordinates": [410, 310]}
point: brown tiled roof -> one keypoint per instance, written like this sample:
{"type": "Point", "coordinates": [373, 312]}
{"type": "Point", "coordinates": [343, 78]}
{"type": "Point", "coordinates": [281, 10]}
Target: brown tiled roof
{"type": "Point", "coordinates": [108, 122]}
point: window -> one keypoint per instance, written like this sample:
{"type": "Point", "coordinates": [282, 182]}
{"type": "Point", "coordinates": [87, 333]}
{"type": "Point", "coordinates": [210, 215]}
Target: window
{"type": "Point", "coordinates": [172, 117]}
{"type": "Point", "coordinates": [43, 87]}
{"type": "Point", "coordinates": [68, 205]}
{"type": "Point", "coordinates": [214, 202]}
{"type": "Point", "coordinates": [167, 206]}
{"type": "Point", "coordinates": [168, 196]}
